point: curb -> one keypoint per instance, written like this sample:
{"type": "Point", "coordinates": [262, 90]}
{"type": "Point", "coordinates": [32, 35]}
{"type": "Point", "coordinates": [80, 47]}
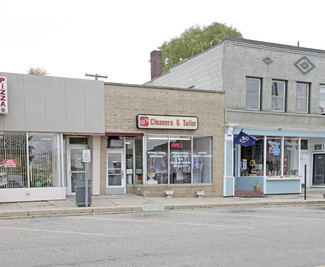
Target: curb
{"type": "Point", "coordinates": [120, 210]}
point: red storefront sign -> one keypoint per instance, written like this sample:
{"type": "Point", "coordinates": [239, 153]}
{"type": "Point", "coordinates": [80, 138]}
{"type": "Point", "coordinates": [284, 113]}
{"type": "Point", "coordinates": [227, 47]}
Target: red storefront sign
{"type": "Point", "coordinates": [9, 163]}
{"type": "Point", "coordinates": [3, 95]}
{"type": "Point", "coordinates": [145, 121]}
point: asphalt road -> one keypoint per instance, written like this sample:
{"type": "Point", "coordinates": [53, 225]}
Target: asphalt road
{"type": "Point", "coordinates": [272, 236]}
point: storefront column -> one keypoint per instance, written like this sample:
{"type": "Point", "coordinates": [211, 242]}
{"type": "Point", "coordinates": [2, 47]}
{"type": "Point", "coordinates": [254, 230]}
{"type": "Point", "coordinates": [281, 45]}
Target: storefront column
{"type": "Point", "coordinates": [229, 180]}
{"type": "Point", "coordinates": [94, 145]}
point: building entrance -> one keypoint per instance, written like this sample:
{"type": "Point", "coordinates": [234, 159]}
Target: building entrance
{"type": "Point", "coordinates": [319, 169]}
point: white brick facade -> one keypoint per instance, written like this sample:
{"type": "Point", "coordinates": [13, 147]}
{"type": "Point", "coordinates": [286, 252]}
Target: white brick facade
{"type": "Point", "coordinates": [226, 66]}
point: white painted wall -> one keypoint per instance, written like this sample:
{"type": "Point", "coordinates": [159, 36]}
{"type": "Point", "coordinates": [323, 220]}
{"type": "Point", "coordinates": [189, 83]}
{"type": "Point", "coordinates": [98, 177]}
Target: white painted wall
{"type": "Point", "coordinates": [32, 194]}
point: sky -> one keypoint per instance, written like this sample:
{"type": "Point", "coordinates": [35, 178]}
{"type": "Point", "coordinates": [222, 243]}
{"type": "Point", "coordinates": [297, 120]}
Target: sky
{"type": "Point", "coordinates": [69, 38]}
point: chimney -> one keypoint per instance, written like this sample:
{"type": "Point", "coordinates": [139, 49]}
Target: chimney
{"type": "Point", "coordinates": [156, 63]}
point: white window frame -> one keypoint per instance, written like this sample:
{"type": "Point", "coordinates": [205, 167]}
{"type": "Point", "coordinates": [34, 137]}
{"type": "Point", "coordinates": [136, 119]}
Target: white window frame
{"type": "Point", "coordinates": [307, 98]}
{"type": "Point", "coordinates": [258, 96]}
{"type": "Point", "coordinates": [321, 103]}
{"type": "Point", "coordinates": [283, 96]}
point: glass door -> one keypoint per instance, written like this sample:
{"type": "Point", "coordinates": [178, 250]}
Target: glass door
{"type": "Point", "coordinates": [77, 168]}
{"type": "Point", "coordinates": [115, 171]}
{"type": "Point", "coordinates": [319, 169]}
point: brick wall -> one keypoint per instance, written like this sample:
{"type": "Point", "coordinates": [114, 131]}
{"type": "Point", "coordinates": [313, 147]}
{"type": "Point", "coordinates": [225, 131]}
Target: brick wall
{"type": "Point", "coordinates": [156, 63]}
{"type": "Point", "coordinates": [124, 102]}
{"type": "Point", "coordinates": [103, 164]}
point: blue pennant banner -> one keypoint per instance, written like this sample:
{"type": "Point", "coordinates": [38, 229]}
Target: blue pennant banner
{"type": "Point", "coordinates": [245, 139]}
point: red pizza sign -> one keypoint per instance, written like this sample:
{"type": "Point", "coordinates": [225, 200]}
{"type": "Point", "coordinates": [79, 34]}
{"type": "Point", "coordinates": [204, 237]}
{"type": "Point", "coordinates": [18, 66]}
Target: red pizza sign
{"type": "Point", "coordinates": [9, 163]}
{"type": "Point", "coordinates": [145, 121]}
{"type": "Point", "coordinates": [3, 96]}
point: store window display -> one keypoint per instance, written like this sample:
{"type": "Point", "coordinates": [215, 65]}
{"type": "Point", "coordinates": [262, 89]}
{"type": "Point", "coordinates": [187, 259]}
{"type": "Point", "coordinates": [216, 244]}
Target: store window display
{"type": "Point", "coordinates": [179, 159]}
{"type": "Point", "coordinates": [30, 160]}
{"type": "Point", "coordinates": [252, 159]}
{"type": "Point", "coordinates": [291, 157]}
{"type": "Point", "coordinates": [273, 156]}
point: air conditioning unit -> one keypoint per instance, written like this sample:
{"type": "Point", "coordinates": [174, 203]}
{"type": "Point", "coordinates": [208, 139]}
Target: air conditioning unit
{"type": "Point", "coordinates": [319, 147]}
{"type": "Point", "coordinates": [322, 110]}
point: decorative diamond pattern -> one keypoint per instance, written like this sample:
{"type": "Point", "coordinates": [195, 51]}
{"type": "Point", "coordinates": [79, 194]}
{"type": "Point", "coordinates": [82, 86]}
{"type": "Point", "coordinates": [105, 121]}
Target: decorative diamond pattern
{"type": "Point", "coordinates": [267, 60]}
{"type": "Point", "coordinates": [304, 65]}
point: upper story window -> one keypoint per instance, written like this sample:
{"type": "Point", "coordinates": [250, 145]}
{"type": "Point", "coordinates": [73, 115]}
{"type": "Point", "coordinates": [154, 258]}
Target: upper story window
{"type": "Point", "coordinates": [253, 92]}
{"type": "Point", "coordinates": [302, 97]}
{"type": "Point", "coordinates": [322, 99]}
{"type": "Point", "coordinates": [278, 95]}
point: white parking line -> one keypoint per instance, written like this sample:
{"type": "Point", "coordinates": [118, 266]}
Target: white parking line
{"type": "Point", "coordinates": [164, 222]}
{"type": "Point", "coordinates": [57, 231]}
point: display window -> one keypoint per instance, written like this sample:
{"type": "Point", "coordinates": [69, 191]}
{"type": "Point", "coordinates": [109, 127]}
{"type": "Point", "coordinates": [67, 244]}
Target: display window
{"type": "Point", "coordinates": [281, 157]}
{"type": "Point", "coordinates": [157, 159]}
{"type": "Point", "coordinates": [273, 156]}
{"type": "Point", "coordinates": [179, 159]}
{"type": "Point", "coordinates": [202, 159]}
{"type": "Point", "coordinates": [30, 160]}
{"type": "Point", "coordinates": [252, 159]}
{"type": "Point", "coordinates": [133, 154]}
{"type": "Point", "coordinates": [291, 157]}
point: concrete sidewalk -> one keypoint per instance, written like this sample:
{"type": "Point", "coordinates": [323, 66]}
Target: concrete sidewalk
{"type": "Point", "coordinates": [133, 203]}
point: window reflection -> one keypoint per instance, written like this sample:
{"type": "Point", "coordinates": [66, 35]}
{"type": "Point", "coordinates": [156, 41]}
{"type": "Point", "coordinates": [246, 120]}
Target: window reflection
{"type": "Point", "coordinates": [273, 157]}
{"type": "Point", "coordinates": [189, 158]}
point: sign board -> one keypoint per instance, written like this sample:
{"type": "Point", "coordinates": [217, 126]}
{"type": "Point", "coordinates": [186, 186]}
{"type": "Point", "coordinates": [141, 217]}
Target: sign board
{"type": "Point", "coordinates": [9, 163]}
{"type": "Point", "coordinates": [145, 121]}
{"type": "Point", "coordinates": [3, 95]}
{"type": "Point", "coordinates": [86, 155]}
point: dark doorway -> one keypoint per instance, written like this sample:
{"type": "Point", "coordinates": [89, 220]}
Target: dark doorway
{"type": "Point", "coordinates": [319, 169]}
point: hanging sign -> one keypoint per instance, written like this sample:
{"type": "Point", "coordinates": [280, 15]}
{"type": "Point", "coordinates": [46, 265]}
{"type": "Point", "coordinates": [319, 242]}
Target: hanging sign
{"type": "Point", "coordinates": [3, 96]}
{"type": "Point", "coordinates": [145, 121]}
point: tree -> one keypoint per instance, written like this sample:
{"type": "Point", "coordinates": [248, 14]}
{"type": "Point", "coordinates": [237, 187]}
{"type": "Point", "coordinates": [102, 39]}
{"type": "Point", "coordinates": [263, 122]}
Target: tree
{"type": "Point", "coordinates": [193, 41]}
{"type": "Point", "coordinates": [37, 71]}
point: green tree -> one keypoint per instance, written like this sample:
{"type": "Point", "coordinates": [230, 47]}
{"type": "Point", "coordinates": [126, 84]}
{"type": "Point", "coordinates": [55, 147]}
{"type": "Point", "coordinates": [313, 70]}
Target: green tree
{"type": "Point", "coordinates": [193, 41]}
{"type": "Point", "coordinates": [37, 71]}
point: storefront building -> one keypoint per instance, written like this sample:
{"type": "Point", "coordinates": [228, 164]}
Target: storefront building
{"type": "Point", "coordinates": [274, 93]}
{"type": "Point", "coordinates": [45, 124]}
{"type": "Point", "coordinates": [162, 141]}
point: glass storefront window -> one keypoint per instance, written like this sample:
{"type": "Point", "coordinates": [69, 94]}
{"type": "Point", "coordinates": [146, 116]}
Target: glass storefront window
{"type": "Point", "coordinates": [138, 160]}
{"type": "Point", "coordinates": [180, 160]}
{"type": "Point", "coordinates": [129, 141]}
{"type": "Point", "coordinates": [291, 157]}
{"type": "Point", "coordinates": [133, 153]}
{"type": "Point", "coordinates": [13, 160]}
{"type": "Point", "coordinates": [189, 158]}
{"type": "Point", "coordinates": [252, 159]}
{"type": "Point", "coordinates": [44, 165]}
{"type": "Point", "coordinates": [273, 156]}
{"type": "Point", "coordinates": [202, 160]}
{"type": "Point", "coordinates": [157, 162]}
{"type": "Point", "coordinates": [35, 160]}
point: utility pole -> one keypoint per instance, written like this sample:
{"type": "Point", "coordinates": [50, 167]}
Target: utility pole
{"type": "Point", "coordinates": [96, 76]}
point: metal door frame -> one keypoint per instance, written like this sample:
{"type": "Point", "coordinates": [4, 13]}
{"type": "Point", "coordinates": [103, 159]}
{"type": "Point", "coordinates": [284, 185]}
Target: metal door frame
{"type": "Point", "coordinates": [116, 189]}
{"type": "Point", "coordinates": [74, 146]}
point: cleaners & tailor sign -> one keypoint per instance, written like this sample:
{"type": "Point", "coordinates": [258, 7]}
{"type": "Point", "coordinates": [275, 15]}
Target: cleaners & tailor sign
{"type": "Point", "coordinates": [145, 121]}
{"type": "Point", "coordinates": [3, 96]}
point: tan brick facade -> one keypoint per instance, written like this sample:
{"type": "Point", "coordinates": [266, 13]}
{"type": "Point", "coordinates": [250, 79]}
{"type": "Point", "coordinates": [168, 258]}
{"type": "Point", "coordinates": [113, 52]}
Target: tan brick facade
{"type": "Point", "coordinates": [124, 102]}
